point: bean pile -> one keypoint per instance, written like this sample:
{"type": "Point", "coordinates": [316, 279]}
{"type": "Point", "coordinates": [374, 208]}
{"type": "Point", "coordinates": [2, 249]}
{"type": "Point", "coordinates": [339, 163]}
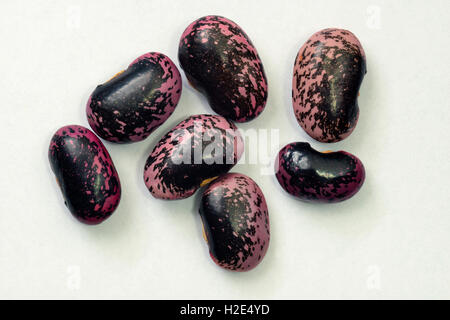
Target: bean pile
{"type": "Point", "coordinates": [220, 61]}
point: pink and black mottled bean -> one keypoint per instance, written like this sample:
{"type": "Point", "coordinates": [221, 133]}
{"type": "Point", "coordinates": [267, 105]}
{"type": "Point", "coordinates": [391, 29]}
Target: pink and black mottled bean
{"type": "Point", "coordinates": [328, 73]}
{"type": "Point", "coordinates": [199, 148]}
{"type": "Point", "coordinates": [221, 62]}
{"type": "Point", "coordinates": [236, 222]}
{"type": "Point", "coordinates": [85, 173]}
{"type": "Point", "coordinates": [318, 176]}
{"type": "Point", "coordinates": [130, 106]}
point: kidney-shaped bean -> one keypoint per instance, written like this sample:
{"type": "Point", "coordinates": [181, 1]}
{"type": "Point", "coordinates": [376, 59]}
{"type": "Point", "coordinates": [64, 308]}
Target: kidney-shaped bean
{"type": "Point", "coordinates": [130, 106]}
{"type": "Point", "coordinates": [235, 222]}
{"type": "Point", "coordinates": [318, 176]}
{"type": "Point", "coordinates": [221, 62]}
{"type": "Point", "coordinates": [328, 72]}
{"type": "Point", "coordinates": [85, 173]}
{"type": "Point", "coordinates": [194, 152]}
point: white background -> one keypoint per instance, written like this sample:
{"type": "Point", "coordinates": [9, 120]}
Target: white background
{"type": "Point", "coordinates": [389, 241]}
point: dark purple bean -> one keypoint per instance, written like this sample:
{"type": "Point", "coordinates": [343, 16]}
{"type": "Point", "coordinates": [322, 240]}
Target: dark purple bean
{"type": "Point", "coordinates": [235, 221]}
{"type": "Point", "coordinates": [167, 176]}
{"type": "Point", "coordinates": [328, 72]}
{"type": "Point", "coordinates": [221, 62]}
{"type": "Point", "coordinates": [319, 176]}
{"type": "Point", "coordinates": [85, 173]}
{"type": "Point", "coordinates": [130, 106]}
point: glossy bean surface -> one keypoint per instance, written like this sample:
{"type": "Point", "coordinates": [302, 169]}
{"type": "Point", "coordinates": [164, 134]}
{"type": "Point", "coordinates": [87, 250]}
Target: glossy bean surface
{"type": "Point", "coordinates": [130, 106]}
{"type": "Point", "coordinates": [194, 152]}
{"type": "Point", "coordinates": [319, 176]}
{"type": "Point", "coordinates": [221, 62]}
{"type": "Point", "coordinates": [328, 73]}
{"type": "Point", "coordinates": [85, 174]}
{"type": "Point", "coordinates": [236, 222]}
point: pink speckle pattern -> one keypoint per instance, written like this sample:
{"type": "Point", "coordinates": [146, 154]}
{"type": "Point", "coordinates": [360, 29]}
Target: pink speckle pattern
{"type": "Point", "coordinates": [236, 222]}
{"type": "Point", "coordinates": [85, 173]}
{"type": "Point", "coordinates": [328, 72]}
{"type": "Point", "coordinates": [220, 61]}
{"type": "Point", "coordinates": [168, 180]}
{"type": "Point", "coordinates": [130, 106]}
{"type": "Point", "coordinates": [318, 177]}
